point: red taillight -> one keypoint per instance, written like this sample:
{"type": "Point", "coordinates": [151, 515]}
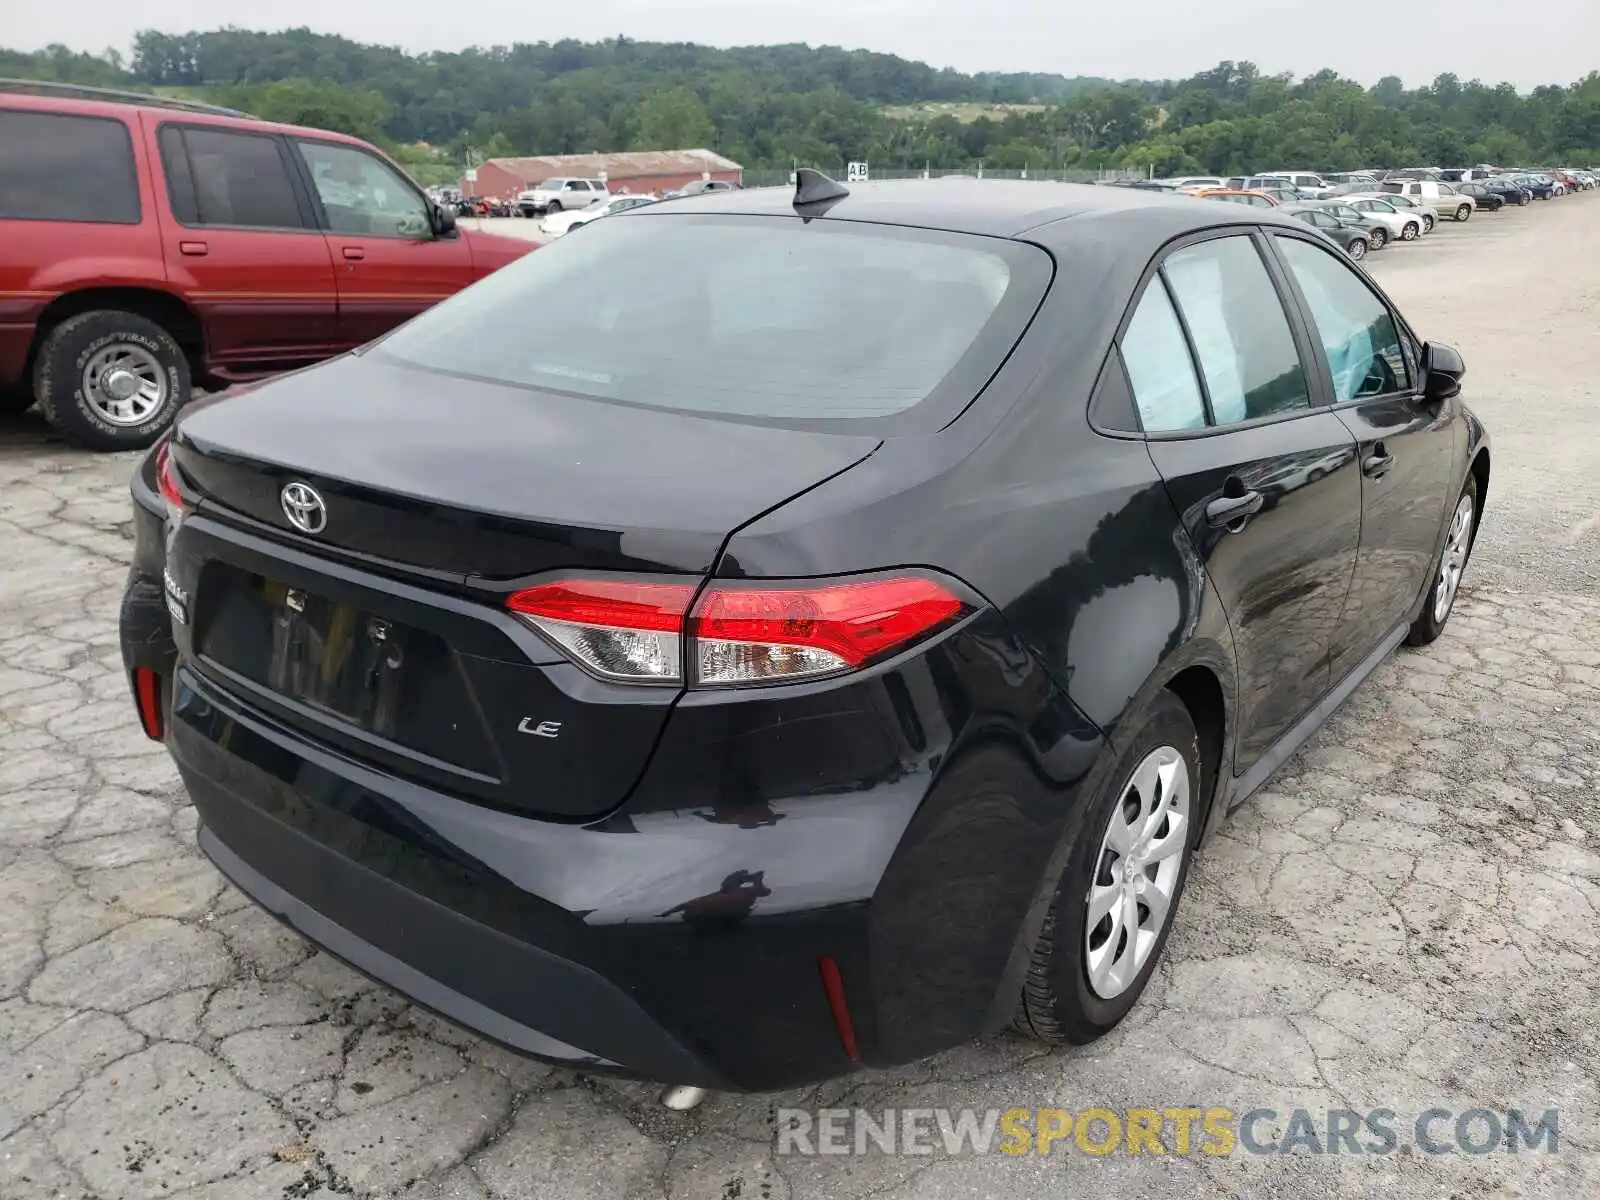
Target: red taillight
{"type": "Point", "coordinates": [737, 633]}
{"type": "Point", "coordinates": [167, 480]}
{"type": "Point", "coordinates": [147, 697]}
{"type": "Point", "coordinates": [748, 635]}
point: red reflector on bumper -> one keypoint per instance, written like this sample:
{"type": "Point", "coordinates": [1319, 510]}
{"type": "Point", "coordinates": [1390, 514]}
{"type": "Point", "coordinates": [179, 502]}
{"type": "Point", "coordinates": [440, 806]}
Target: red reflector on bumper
{"type": "Point", "coordinates": [147, 696]}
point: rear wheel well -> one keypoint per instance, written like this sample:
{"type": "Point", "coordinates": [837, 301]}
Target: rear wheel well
{"type": "Point", "coordinates": [1480, 472]}
{"type": "Point", "coordinates": [165, 309]}
{"type": "Point", "coordinates": [1201, 693]}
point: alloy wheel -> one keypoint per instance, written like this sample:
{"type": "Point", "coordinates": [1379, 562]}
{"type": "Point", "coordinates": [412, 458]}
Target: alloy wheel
{"type": "Point", "coordinates": [1137, 872]}
{"type": "Point", "coordinates": [1358, 250]}
{"type": "Point", "coordinates": [1454, 560]}
{"type": "Point", "coordinates": [125, 384]}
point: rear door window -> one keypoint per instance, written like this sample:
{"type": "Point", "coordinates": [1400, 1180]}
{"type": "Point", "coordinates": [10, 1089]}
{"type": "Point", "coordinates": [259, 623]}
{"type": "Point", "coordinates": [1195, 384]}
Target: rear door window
{"type": "Point", "coordinates": [1241, 335]}
{"type": "Point", "coordinates": [228, 179]}
{"type": "Point", "coordinates": [55, 167]}
{"type": "Point", "coordinates": [1160, 370]}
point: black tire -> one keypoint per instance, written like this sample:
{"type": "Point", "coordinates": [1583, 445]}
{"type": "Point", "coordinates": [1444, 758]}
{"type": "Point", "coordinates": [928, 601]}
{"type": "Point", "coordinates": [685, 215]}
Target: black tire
{"type": "Point", "coordinates": [1429, 625]}
{"type": "Point", "coordinates": [1428, 222]}
{"type": "Point", "coordinates": [1380, 239]}
{"type": "Point", "coordinates": [58, 378]}
{"type": "Point", "coordinates": [1058, 1005]}
{"type": "Point", "coordinates": [1411, 231]}
{"type": "Point", "coordinates": [1358, 249]}
{"type": "Point", "coordinates": [1464, 213]}
{"type": "Point", "coordinates": [553, 207]}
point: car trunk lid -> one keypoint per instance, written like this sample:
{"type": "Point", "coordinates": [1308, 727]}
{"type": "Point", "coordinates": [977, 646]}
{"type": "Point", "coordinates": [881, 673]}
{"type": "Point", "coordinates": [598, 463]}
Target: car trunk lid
{"type": "Point", "coordinates": [384, 633]}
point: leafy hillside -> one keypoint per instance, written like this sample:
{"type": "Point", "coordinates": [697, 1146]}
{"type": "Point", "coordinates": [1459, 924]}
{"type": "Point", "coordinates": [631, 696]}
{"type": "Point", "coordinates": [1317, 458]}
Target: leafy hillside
{"type": "Point", "coordinates": [771, 106]}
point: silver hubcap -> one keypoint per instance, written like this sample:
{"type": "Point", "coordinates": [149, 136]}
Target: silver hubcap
{"type": "Point", "coordinates": [125, 384]}
{"type": "Point", "coordinates": [1454, 560]}
{"type": "Point", "coordinates": [1141, 857]}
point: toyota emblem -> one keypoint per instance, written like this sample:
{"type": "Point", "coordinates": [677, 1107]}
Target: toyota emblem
{"type": "Point", "coordinates": [304, 508]}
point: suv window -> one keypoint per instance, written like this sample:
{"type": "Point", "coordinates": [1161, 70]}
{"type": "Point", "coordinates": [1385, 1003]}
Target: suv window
{"type": "Point", "coordinates": [577, 185]}
{"type": "Point", "coordinates": [362, 194]}
{"type": "Point", "coordinates": [1241, 335]}
{"type": "Point", "coordinates": [1160, 371]}
{"type": "Point", "coordinates": [221, 177]}
{"type": "Point", "coordinates": [1357, 330]}
{"type": "Point", "coordinates": [55, 167]}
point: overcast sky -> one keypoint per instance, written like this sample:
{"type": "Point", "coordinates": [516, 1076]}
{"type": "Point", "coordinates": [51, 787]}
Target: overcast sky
{"type": "Point", "coordinates": [1528, 42]}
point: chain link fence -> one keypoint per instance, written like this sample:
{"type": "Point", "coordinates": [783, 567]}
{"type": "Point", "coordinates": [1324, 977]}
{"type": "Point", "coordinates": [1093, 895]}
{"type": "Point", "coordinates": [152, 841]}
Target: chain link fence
{"type": "Point", "coordinates": [761, 177]}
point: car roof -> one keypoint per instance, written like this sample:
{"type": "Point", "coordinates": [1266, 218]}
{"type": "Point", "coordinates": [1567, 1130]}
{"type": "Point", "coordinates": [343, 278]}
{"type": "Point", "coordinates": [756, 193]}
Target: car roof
{"type": "Point", "coordinates": [993, 208]}
{"type": "Point", "coordinates": [199, 115]}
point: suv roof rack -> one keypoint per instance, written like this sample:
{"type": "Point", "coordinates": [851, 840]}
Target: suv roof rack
{"type": "Point", "coordinates": [79, 91]}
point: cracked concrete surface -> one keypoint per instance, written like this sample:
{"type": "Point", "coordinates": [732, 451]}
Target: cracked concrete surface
{"type": "Point", "coordinates": [1408, 917]}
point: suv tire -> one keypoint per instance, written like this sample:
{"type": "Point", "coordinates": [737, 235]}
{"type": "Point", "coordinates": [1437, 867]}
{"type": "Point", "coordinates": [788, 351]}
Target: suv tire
{"type": "Point", "coordinates": [553, 207]}
{"type": "Point", "coordinates": [1464, 213]}
{"type": "Point", "coordinates": [70, 392]}
{"type": "Point", "coordinates": [1060, 1003]}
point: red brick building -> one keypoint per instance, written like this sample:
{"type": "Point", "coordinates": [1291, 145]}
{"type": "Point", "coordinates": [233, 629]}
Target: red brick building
{"type": "Point", "coordinates": [636, 171]}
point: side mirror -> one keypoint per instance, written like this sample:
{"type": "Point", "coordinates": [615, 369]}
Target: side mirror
{"type": "Point", "coordinates": [442, 219]}
{"type": "Point", "coordinates": [1442, 369]}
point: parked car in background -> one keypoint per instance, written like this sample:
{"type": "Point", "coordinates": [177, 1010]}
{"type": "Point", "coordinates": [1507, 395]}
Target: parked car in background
{"type": "Point", "coordinates": [700, 187]}
{"type": "Point", "coordinates": [1353, 240]}
{"type": "Point", "coordinates": [1441, 197]}
{"type": "Point", "coordinates": [152, 246]}
{"type": "Point", "coordinates": [1413, 204]}
{"type": "Point", "coordinates": [562, 195]}
{"type": "Point", "coordinates": [1308, 184]}
{"type": "Point", "coordinates": [1402, 224]}
{"type": "Point", "coordinates": [1484, 197]}
{"type": "Point", "coordinates": [1509, 190]}
{"type": "Point", "coordinates": [559, 223]}
{"type": "Point", "coordinates": [1192, 183]}
{"type": "Point", "coordinates": [641, 682]}
{"type": "Point", "coordinates": [1540, 187]}
{"type": "Point", "coordinates": [1377, 230]}
{"type": "Point", "coordinates": [1338, 179]}
{"type": "Point", "coordinates": [1235, 196]}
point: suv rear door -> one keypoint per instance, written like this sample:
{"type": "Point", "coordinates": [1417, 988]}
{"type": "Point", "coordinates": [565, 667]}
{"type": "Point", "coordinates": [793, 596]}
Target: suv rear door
{"type": "Point", "coordinates": [242, 246]}
{"type": "Point", "coordinates": [72, 201]}
{"type": "Point", "coordinates": [388, 263]}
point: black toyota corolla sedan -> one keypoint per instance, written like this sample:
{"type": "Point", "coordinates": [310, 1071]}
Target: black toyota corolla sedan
{"type": "Point", "coordinates": [827, 642]}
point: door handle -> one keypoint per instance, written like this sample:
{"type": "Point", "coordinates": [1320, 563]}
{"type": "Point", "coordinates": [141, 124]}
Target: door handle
{"type": "Point", "coordinates": [1228, 511]}
{"type": "Point", "coordinates": [1376, 465]}
{"type": "Point", "coordinates": [354, 253]}
{"type": "Point", "coordinates": [194, 249]}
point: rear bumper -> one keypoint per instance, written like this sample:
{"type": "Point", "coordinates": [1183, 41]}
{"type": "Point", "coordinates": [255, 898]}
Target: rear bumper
{"type": "Point", "coordinates": [680, 939]}
{"type": "Point", "coordinates": [548, 992]}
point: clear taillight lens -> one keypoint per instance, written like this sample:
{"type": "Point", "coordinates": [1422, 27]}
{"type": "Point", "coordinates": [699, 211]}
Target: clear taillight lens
{"type": "Point", "coordinates": [737, 634]}
{"type": "Point", "coordinates": [616, 628]}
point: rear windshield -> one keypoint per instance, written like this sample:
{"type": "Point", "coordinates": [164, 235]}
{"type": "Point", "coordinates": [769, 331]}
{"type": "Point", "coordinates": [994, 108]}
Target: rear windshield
{"type": "Point", "coordinates": [742, 316]}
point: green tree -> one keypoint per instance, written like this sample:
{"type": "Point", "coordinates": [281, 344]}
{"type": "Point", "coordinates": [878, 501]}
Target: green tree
{"type": "Point", "coordinates": [672, 120]}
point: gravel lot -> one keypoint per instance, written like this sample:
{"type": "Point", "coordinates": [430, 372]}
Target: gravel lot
{"type": "Point", "coordinates": [1409, 918]}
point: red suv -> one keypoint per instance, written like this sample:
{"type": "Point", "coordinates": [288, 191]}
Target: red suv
{"type": "Point", "coordinates": [153, 245]}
